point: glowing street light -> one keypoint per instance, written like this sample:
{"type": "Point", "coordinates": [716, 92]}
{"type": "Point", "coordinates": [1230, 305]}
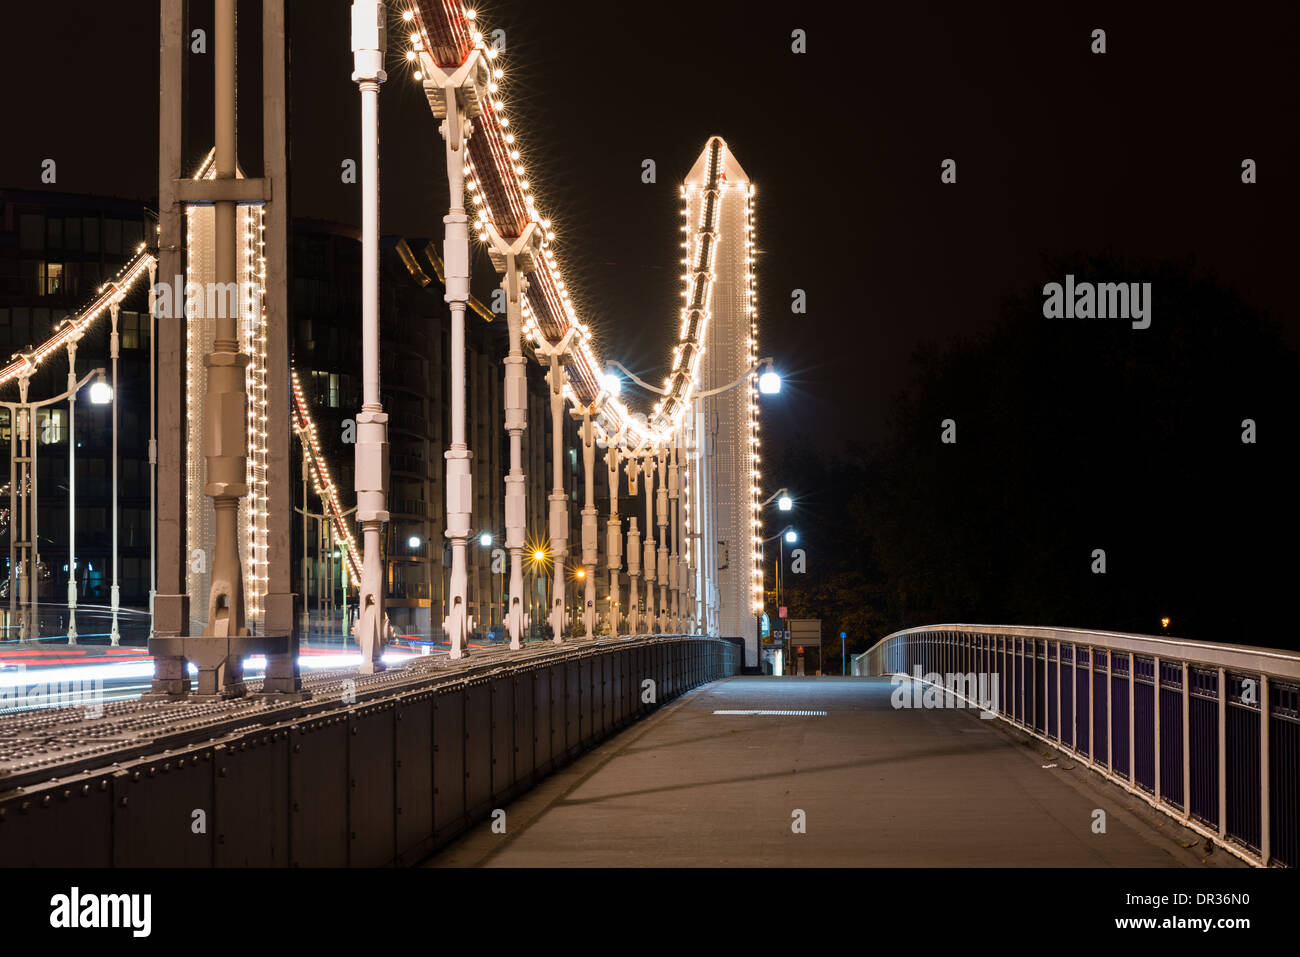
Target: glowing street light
{"type": "Point", "coordinates": [101, 393]}
{"type": "Point", "coordinates": [784, 503]}
{"type": "Point", "coordinates": [485, 539]}
{"type": "Point", "coordinates": [769, 383]}
{"type": "Point", "coordinates": [413, 541]}
{"type": "Point", "coordinates": [612, 383]}
{"type": "Point", "coordinates": [791, 536]}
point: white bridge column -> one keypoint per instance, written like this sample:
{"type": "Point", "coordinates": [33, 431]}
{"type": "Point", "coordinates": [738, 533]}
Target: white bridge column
{"type": "Point", "coordinates": [675, 557]}
{"type": "Point", "coordinates": [72, 491]}
{"type": "Point", "coordinates": [613, 540]}
{"type": "Point", "coordinates": [559, 501]}
{"type": "Point", "coordinates": [514, 258]}
{"type": "Point", "coordinates": [225, 438]}
{"type": "Point", "coordinates": [633, 553]}
{"type": "Point", "coordinates": [590, 551]}
{"type": "Point", "coordinates": [648, 561]}
{"type": "Point", "coordinates": [664, 577]}
{"type": "Point", "coordinates": [456, 99]}
{"type": "Point", "coordinates": [369, 43]}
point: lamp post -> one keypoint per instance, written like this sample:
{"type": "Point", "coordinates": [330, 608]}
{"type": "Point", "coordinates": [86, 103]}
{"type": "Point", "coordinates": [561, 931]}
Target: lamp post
{"type": "Point", "coordinates": [787, 534]}
{"type": "Point", "coordinates": [115, 638]}
{"type": "Point", "coordinates": [22, 416]}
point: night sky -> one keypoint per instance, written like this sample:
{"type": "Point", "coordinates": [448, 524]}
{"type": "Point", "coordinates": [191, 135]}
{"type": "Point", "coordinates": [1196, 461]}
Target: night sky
{"type": "Point", "coordinates": [1135, 153]}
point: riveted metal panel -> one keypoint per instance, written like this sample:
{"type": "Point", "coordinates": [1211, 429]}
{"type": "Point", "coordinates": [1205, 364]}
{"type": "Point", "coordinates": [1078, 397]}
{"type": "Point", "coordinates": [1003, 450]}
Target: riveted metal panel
{"type": "Point", "coordinates": [414, 772]}
{"type": "Point", "coordinates": [542, 756]}
{"type": "Point", "coordinates": [525, 722]}
{"type": "Point", "coordinates": [503, 737]}
{"type": "Point", "coordinates": [251, 805]}
{"type": "Point", "coordinates": [372, 831]}
{"type": "Point", "coordinates": [619, 690]}
{"type": "Point", "coordinates": [606, 694]}
{"type": "Point", "coordinates": [318, 794]}
{"type": "Point", "coordinates": [572, 708]}
{"type": "Point", "coordinates": [478, 750]}
{"type": "Point", "coordinates": [73, 828]}
{"type": "Point", "coordinates": [559, 709]}
{"type": "Point", "coordinates": [449, 762]}
{"type": "Point", "coordinates": [586, 703]}
{"type": "Point", "coordinates": [154, 805]}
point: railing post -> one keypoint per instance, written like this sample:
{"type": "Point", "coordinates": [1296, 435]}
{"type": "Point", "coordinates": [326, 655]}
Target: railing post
{"type": "Point", "coordinates": [1187, 742]}
{"type": "Point", "coordinates": [1092, 723]}
{"type": "Point", "coordinates": [1110, 713]}
{"type": "Point", "coordinates": [1060, 728]}
{"type": "Point", "coordinates": [1033, 688]}
{"type": "Point", "coordinates": [1132, 719]}
{"type": "Point", "coordinates": [1223, 752]}
{"type": "Point", "coordinates": [1264, 823]}
{"type": "Point", "coordinates": [1074, 696]}
{"type": "Point", "coordinates": [1020, 677]}
{"type": "Point", "coordinates": [1047, 693]}
{"type": "Point", "coordinates": [1156, 748]}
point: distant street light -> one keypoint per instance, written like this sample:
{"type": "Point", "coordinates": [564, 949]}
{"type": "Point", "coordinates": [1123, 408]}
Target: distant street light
{"type": "Point", "coordinates": [612, 383]}
{"type": "Point", "coordinates": [791, 536]}
{"type": "Point", "coordinates": [413, 541]}
{"type": "Point", "coordinates": [769, 383]}
{"type": "Point", "coordinates": [485, 539]}
{"type": "Point", "coordinates": [784, 503]}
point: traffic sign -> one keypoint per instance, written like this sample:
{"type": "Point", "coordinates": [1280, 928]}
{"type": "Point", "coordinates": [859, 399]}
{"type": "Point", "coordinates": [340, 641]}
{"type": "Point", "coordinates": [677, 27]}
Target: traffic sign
{"type": "Point", "coordinates": [807, 631]}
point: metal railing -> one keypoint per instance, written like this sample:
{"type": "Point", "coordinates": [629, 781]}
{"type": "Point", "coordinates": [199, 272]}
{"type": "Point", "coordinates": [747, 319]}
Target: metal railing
{"type": "Point", "coordinates": [1207, 733]}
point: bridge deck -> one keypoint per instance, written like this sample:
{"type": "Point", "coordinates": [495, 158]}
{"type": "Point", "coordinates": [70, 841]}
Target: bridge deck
{"type": "Point", "coordinates": [879, 787]}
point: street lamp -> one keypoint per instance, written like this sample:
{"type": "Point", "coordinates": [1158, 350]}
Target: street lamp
{"type": "Point", "coordinates": [612, 383]}
{"type": "Point", "coordinates": [485, 541]}
{"type": "Point", "coordinates": [101, 393]}
{"type": "Point", "coordinates": [783, 500]}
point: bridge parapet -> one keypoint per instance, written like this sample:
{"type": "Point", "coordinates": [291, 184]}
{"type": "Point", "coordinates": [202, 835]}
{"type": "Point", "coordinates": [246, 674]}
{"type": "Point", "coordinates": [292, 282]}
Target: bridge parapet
{"type": "Point", "coordinates": [1208, 733]}
{"type": "Point", "coordinates": [373, 770]}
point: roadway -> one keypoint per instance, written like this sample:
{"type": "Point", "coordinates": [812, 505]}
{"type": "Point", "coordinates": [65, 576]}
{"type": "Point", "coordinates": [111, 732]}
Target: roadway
{"type": "Point", "coordinates": [878, 787]}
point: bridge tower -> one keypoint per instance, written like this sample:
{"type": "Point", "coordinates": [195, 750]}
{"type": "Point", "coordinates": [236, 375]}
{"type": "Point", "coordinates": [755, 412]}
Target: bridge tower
{"type": "Point", "coordinates": [718, 208]}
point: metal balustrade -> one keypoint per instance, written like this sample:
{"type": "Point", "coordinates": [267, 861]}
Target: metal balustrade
{"type": "Point", "coordinates": [1207, 733]}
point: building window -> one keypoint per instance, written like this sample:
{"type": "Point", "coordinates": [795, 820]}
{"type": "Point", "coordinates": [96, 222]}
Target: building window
{"type": "Point", "coordinates": [134, 327]}
{"type": "Point", "coordinates": [113, 237]}
{"type": "Point", "coordinates": [51, 279]}
{"type": "Point", "coordinates": [31, 231]}
{"type": "Point", "coordinates": [325, 385]}
{"type": "Point", "coordinates": [90, 233]}
{"type": "Point", "coordinates": [50, 426]}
